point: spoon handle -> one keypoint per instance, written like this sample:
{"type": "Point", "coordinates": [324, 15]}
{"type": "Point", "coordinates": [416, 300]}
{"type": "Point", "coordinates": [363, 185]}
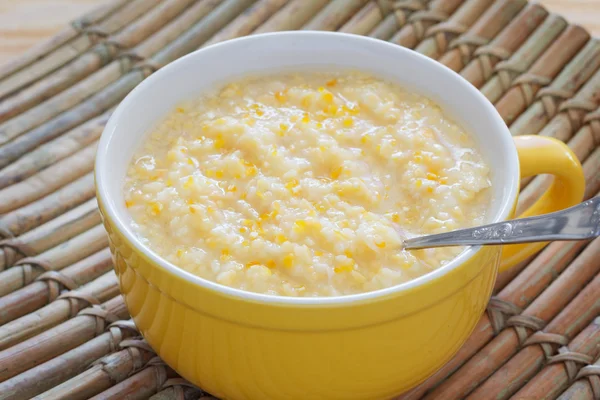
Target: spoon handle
{"type": "Point", "coordinates": [575, 223]}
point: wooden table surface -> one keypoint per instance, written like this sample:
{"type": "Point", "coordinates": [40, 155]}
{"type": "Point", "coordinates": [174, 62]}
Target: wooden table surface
{"type": "Point", "coordinates": [25, 23]}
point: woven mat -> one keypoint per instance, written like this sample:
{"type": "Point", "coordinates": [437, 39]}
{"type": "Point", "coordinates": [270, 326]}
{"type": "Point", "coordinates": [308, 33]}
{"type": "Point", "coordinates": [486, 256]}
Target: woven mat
{"type": "Point", "coordinates": [64, 330]}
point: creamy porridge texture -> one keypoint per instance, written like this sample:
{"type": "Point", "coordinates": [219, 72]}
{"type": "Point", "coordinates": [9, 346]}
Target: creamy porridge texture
{"type": "Point", "coordinates": [305, 184]}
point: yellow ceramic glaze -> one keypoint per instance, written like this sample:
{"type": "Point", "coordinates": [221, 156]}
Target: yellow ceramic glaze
{"type": "Point", "coordinates": [239, 345]}
{"type": "Point", "coordinates": [240, 349]}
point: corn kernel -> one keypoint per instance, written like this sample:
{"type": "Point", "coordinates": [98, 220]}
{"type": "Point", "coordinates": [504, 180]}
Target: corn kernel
{"type": "Point", "coordinates": [260, 113]}
{"type": "Point", "coordinates": [169, 183]}
{"type": "Point", "coordinates": [343, 268]}
{"type": "Point", "coordinates": [243, 229]}
{"type": "Point", "coordinates": [306, 119]}
{"type": "Point", "coordinates": [318, 253]}
{"type": "Point", "coordinates": [280, 97]}
{"type": "Point", "coordinates": [271, 264]}
{"type": "Point", "coordinates": [188, 182]}
{"type": "Point", "coordinates": [319, 125]}
{"type": "Point", "coordinates": [364, 139]}
{"type": "Point", "coordinates": [381, 245]}
{"type": "Point", "coordinates": [348, 122]}
{"type": "Point", "coordinates": [348, 253]}
{"type": "Point", "coordinates": [251, 171]}
{"type": "Point", "coordinates": [179, 253]}
{"type": "Point", "coordinates": [395, 217]}
{"type": "Point", "coordinates": [431, 176]}
{"type": "Point", "coordinates": [180, 110]}
{"type": "Point", "coordinates": [251, 263]}
{"type": "Point", "coordinates": [225, 255]}
{"type": "Point", "coordinates": [279, 239]}
{"type": "Point", "coordinates": [155, 208]}
{"type": "Point", "coordinates": [245, 243]}
{"type": "Point", "coordinates": [232, 188]}
{"type": "Point", "coordinates": [192, 209]}
{"type": "Point", "coordinates": [321, 89]}
{"type": "Point", "coordinates": [419, 183]}
{"type": "Point", "coordinates": [331, 109]}
{"type": "Point", "coordinates": [128, 203]}
{"type": "Point", "coordinates": [328, 97]}
{"type": "Point", "coordinates": [288, 260]}
{"type": "Point", "coordinates": [219, 174]}
{"type": "Point", "coordinates": [331, 83]}
{"type": "Point", "coordinates": [444, 180]}
{"type": "Point", "coordinates": [336, 172]}
{"type": "Point", "coordinates": [292, 184]}
{"type": "Point", "coordinates": [247, 222]}
{"type": "Point", "coordinates": [429, 189]}
{"type": "Point", "coordinates": [299, 226]}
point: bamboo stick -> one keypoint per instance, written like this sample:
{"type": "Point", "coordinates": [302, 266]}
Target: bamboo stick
{"type": "Point", "coordinates": [524, 88]}
{"type": "Point", "coordinates": [418, 23]}
{"type": "Point", "coordinates": [141, 385]}
{"type": "Point", "coordinates": [68, 365]}
{"type": "Point", "coordinates": [544, 345]}
{"type": "Point", "coordinates": [439, 36]}
{"type": "Point", "coordinates": [108, 371]}
{"type": "Point", "coordinates": [70, 32]}
{"type": "Point", "coordinates": [50, 234]}
{"type": "Point", "coordinates": [69, 119]}
{"type": "Point", "coordinates": [592, 177]}
{"type": "Point", "coordinates": [200, 32]}
{"type": "Point", "coordinates": [59, 103]}
{"type": "Point", "coordinates": [395, 20]}
{"type": "Point", "coordinates": [564, 87]}
{"type": "Point", "coordinates": [108, 96]}
{"type": "Point", "coordinates": [85, 75]}
{"type": "Point", "coordinates": [64, 307]}
{"type": "Point", "coordinates": [544, 308]}
{"type": "Point", "coordinates": [505, 277]}
{"type": "Point", "coordinates": [89, 323]}
{"type": "Point", "coordinates": [92, 35]}
{"type": "Point", "coordinates": [577, 113]}
{"type": "Point", "coordinates": [32, 215]}
{"type": "Point", "coordinates": [583, 144]}
{"type": "Point", "coordinates": [179, 389]}
{"type": "Point", "coordinates": [54, 151]}
{"type": "Point", "coordinates": [365, 19]}
{"type": "Point", "coordinates": [93, 60]}
{"type": "Point", "coordinates": [48, 180]}
{"type": "Point", "coordinates": [47, 287]}
{"type": "Point", "coordinates": [586, 386]}
{"type": "Point", "coordinates": [89, 131]}
{"type": "Point", "coordinates": [493, 20]}
{"type": "Point", "coordinates": [187, 20]}
{"type": "Point", "coordinates": [516, 295]}
{"type": "Point", "coordinates": [54, 259]}
{"type": "Point", "coordinates": [248, 21]}
{"type": "Point", "coordinates": [292, 16]}
{"type": "Point", "coordinates": [334, 15]}
{"type": "Point", "coordinates": [506, 71]}
{"type": "Point", "coordinates": [481, 68]}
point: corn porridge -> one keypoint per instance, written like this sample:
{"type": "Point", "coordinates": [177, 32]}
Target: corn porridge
{"type": "Point", "coordinates": [305, 184]}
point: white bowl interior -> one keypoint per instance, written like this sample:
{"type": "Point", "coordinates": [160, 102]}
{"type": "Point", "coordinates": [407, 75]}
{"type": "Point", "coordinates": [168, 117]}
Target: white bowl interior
{"type": "Point", "coordinates": [208, 68]}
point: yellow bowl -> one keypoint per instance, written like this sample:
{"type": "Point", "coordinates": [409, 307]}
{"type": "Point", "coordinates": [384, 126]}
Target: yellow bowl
{"type": "Point", "coordinates": [241, 345]}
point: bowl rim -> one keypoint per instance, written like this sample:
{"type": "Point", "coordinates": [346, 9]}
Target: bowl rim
{"type": "Point", "coordinates": [504, 212]}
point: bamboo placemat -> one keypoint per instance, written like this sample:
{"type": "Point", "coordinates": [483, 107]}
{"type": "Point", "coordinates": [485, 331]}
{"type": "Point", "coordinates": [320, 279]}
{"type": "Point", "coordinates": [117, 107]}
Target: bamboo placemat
{"type": "Point", "coordinates": [64, 330]}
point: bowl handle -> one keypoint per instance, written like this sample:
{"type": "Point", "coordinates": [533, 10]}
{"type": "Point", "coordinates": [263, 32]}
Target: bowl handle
{"type": "Point", "coordinates": [545, 155]}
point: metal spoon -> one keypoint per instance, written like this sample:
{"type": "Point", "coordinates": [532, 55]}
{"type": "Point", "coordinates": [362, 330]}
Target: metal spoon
{"type": "Point", "coordinates": [575, 223]}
